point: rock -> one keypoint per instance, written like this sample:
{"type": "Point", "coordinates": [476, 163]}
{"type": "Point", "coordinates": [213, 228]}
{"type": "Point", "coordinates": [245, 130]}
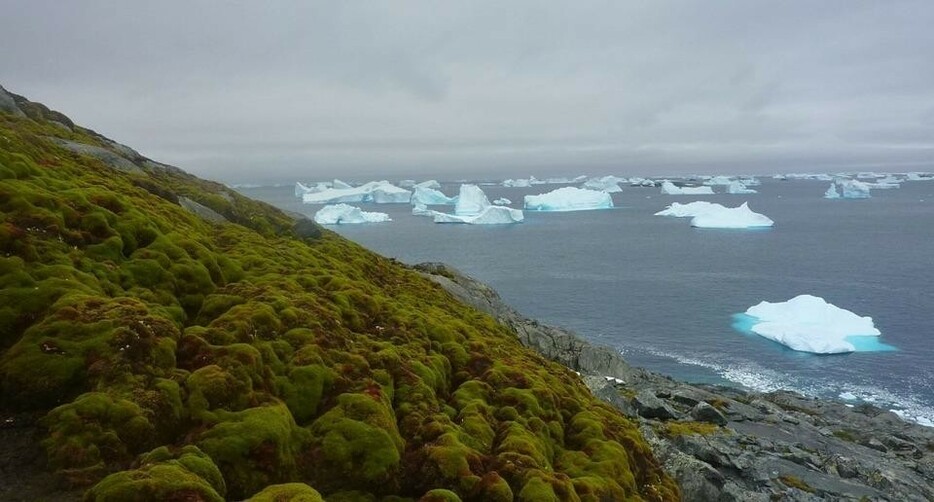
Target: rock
{"type": "Point", "coordinates": [305, 228]}
{"type": "Point", "coordinates": [104, 155]}
{"type": "Point", "coordinates": [704, 412]}
{"type": "Point", "coordinates": [201, 210]}
{"type": "Point", "coordinates": [875, 444]}
{"type": "Point", "coordinates": [8, 104]}
{"type": "Point", "coordinates": [649, 406]}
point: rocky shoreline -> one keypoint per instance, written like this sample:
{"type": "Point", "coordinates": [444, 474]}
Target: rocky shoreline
{"type": "Point", "coordinates": [726, 444]}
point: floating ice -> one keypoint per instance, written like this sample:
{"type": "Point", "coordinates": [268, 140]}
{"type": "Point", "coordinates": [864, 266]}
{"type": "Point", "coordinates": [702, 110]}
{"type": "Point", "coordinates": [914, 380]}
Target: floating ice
{"type": "Point", "coordinates": [433, 184]}
{"type": "Point", "coordinates": [502, 201]}
{"type": "Point", "coordinates": [669, 188]}
{"type": "Point", "coordinates": [919, 177]}
{"type": "Point", "coordinates": [641, 182]}
{"type": "Point", "coordinates": [473, 208]}
{"type": "Point", "coordinates": [340, 184]}
{"type": "Point", "coordinates": [608, 184]}
{"type": "Point", "coordinates": [719, 181]}
{"type": "Point", "coordinates": [737, 187]}
{"type": "Point", "coordinates": [731, 217]}
{"type": "Point", "coordinates": [342, 214]}
{"type": "Point", "coordinates": [519, 183]}
{"type": "Point", "coordinates": [809, 324]}
{"type": "Point", "coordinates": [490, 215]}
{"type": "Point", "coordinates": [689, 210]}
{"type": "Point", "coordinates": [853, 189]}
{"type": "Point", "coordinates": [832, 192]}
{"type": "Point", "coordinates": [380, 192]}
{"type": "Point", "coordinates": [569, 199]}
{"type": "Point", "coordinates": [430, 196]}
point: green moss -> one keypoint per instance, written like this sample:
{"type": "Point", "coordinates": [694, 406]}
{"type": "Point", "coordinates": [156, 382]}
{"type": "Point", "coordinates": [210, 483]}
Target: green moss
{"type": "Point", "coordinates": [672, 429]}
{"type": "Point", "coordinates": [846, 435]}
{"type": "Point", "coordinates": [186, 475]}
{"type": "Point", "coordinates": [284, 354]}
{"type": "Point", "coordinates": [796, 482]}
{"type": "Point", "coordinates": [287, 492]}
{"type": "Point", "coordinates": [440, 495]}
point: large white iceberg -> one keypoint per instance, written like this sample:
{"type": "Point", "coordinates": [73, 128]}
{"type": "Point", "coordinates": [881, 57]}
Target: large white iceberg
{"type": "Point", "coordinates": [608, 184]}
{"type": "Point", "coordinates": [688, 210]}
{"type": "Point", "coordinates": [669, 188]}
{"type": "Point", "coordinates": [430, 196]}
{"type": "Point", "coordinates": [810, 324]}
{"type": "Point", "coordinates": [518, 183]}
{"type": "Point", "coordinates": [471, 201]}
{"type": "Point", "coordinates": [737, 187]}
{"type": "Point", "coordinates": [380, 192]}
{"type": "Point", "coordinates": [569, 199]}
{"type": "Point", "coordinates": [731, 217]}
{"type": "Point", "coordinates": [342, 214]}
{"type": "Point", "coordinates": [433, 184]}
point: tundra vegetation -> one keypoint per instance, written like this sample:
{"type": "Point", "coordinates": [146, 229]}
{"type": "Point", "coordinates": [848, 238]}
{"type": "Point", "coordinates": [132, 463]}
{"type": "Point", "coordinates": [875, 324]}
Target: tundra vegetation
{"type": "Point", "coordinates": [176, 358]}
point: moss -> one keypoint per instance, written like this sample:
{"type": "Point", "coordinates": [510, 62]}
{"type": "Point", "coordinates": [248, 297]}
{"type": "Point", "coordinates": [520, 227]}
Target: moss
{"type": "Point", "coordinates": [796, 482]}
{"type": "Point", "coordinates": [672, 429]}
{"type": "Point", "coordinates": [254, 448]}
{"type": "Point", "coordinates": [846, 435]}
{"type": "Point", "coordinates": [440, 495]}
{"type": "Point", "coordinates": [283, 358]}
{"type": "Point", "coordinates": [186, 475]}
{"type": "Point", "coordinates": [287, 492]}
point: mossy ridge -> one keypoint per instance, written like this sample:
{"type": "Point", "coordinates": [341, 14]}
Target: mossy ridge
{"type": "Point", "coordinates": [282, 359]}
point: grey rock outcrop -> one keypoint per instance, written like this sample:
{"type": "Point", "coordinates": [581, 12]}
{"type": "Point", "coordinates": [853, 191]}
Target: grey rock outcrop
{"type": "Point", "coordinates": [201, 210]}
{"type": "Point", "coordinates": [8, 104]}
{"type": "Point", "coordinates": [734, 444]}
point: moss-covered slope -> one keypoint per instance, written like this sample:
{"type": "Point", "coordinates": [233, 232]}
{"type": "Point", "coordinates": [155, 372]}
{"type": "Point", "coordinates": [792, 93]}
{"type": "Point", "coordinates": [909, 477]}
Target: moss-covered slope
{"type": "Point", "coordinates": [175, 358]}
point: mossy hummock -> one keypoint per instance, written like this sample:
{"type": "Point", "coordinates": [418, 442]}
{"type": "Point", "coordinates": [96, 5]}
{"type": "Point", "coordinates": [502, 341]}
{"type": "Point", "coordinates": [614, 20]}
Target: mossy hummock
{"type": "Point", "coordinates": [180, 358]}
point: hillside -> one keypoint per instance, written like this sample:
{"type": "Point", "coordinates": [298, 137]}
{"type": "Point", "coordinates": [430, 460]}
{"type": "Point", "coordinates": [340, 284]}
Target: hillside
{"type": "Point", "coordinates": [177, 341]}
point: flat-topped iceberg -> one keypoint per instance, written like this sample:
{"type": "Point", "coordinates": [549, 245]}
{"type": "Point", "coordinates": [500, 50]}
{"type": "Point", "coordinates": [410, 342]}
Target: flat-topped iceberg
{"type": "Point", "coordinates": [688, 210]}
{"type": "Point", "coordinates": [343, 214]}
{"type": "Point", "coordinates": [731, 217]}
{"type": "Point", "coordinates": [809, 324]}
{"type": "Point", "coordinates": [737, 187]}
{"type": "Point", "coordinates": [519, 183]}
{"type": "Point", "coordinates": [569, 199]}
{"type": "Point", "coordinates": [430, 196]}
{"type": "Point", "coordinates": [669, 188]}
{"type": "Point", "coordinates": [853, 189]}
{"type": "Point", "coordinates": [380, 192]}
{"type": "Point", "coordinates": [608, 184]}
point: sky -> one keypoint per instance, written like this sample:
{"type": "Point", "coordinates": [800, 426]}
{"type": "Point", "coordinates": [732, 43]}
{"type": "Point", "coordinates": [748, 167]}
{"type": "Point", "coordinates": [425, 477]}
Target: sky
{"type": "Point", "coordinates": [245, 91]}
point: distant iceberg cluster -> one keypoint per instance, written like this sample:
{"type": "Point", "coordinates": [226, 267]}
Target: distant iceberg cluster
{"type": "Point", "coordinates": [710, 215]}
{"type": "Point", "coordinates": [569, 199]}
{"type": "Point", "coordinates": [344, 214]}
{"type": "Point", "coordinates": [809, 324]}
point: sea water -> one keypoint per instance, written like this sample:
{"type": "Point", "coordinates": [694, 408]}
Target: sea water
{"type": "Point", "coordinates": [665, 294]}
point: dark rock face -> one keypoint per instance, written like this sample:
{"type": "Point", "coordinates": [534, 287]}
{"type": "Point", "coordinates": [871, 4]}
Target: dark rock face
{"type": "Point", "coordinates": [8, 104]}
{"type": "Point", "coordinates": [726, 444]}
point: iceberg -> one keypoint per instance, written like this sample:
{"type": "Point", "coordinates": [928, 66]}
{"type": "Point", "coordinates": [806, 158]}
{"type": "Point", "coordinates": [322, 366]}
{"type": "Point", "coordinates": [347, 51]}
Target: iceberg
{"type": "Point", "coordinates": [809, 324]}
{"type": "Point", "coordinates": [518, 183]}
{"type": "Point", "coordinates": [719, 181]}
{"type": "Point", "coordinates": [380, 192]}
{"type": "Point", "coordinates": [608, 184]}
{"type": "Point", "coordinates": [688, 210]}
{"type": "Point", "coordinates": [737, 187]}
{"type": "Point", "coordinates": [919, 177]}
{"type": "Point", "coordinates": [473, 208]}
{"type": "Point", "coordinates": [430, 196]}
{"type": "Point", "coordinates": [853, 189]}
{"type": "Point", "coordinates": [641, 182]}
{"type": "Point", "coordinates": [750, 181]}
{"type": "Point", "coordinates": [433, 184]}
{"type": "Point", "coordinates": [669, 188]}
{"type": "Point", "coordinates": [342, 214]}
{"type": "Point", "coordinates": [832, 192]}
{"type": "Point", "coordinates": [502, 201]}
{"type": "Point", "coordinates": [569, 199]}
{"type": "Point", "coordinates": [731, 217]}
{"type": "Point", "coordinates": [490, 215]}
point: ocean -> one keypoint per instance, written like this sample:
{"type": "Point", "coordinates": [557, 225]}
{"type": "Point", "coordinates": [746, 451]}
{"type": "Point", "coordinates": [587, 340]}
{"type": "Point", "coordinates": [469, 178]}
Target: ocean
{"type": "Point", "coordinates": [665, 294]}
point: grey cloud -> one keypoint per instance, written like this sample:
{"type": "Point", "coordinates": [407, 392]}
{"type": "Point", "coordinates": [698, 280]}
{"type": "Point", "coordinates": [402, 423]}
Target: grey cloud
{"type": "Point", "coordinates": [293, 89]}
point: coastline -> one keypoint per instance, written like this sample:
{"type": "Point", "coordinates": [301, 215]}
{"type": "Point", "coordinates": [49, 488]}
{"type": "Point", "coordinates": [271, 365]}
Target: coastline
{"type": "Point", "coordinates": [725, 443]}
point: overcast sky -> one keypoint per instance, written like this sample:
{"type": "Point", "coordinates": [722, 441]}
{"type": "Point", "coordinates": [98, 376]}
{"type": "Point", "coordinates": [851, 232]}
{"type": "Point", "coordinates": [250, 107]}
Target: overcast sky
{"type": "Point", "coordinates": [241, 91]}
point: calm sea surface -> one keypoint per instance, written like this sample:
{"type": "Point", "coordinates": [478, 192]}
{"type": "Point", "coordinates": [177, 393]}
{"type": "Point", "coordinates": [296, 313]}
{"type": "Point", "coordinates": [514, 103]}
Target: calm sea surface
{"type": "Point", "coordinates": [664, 293]}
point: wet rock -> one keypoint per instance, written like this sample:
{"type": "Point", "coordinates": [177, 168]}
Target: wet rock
{"type": "Point", "coordinates": [649, 406]}
{"type": "Point", "coordinates": [704, 412]}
